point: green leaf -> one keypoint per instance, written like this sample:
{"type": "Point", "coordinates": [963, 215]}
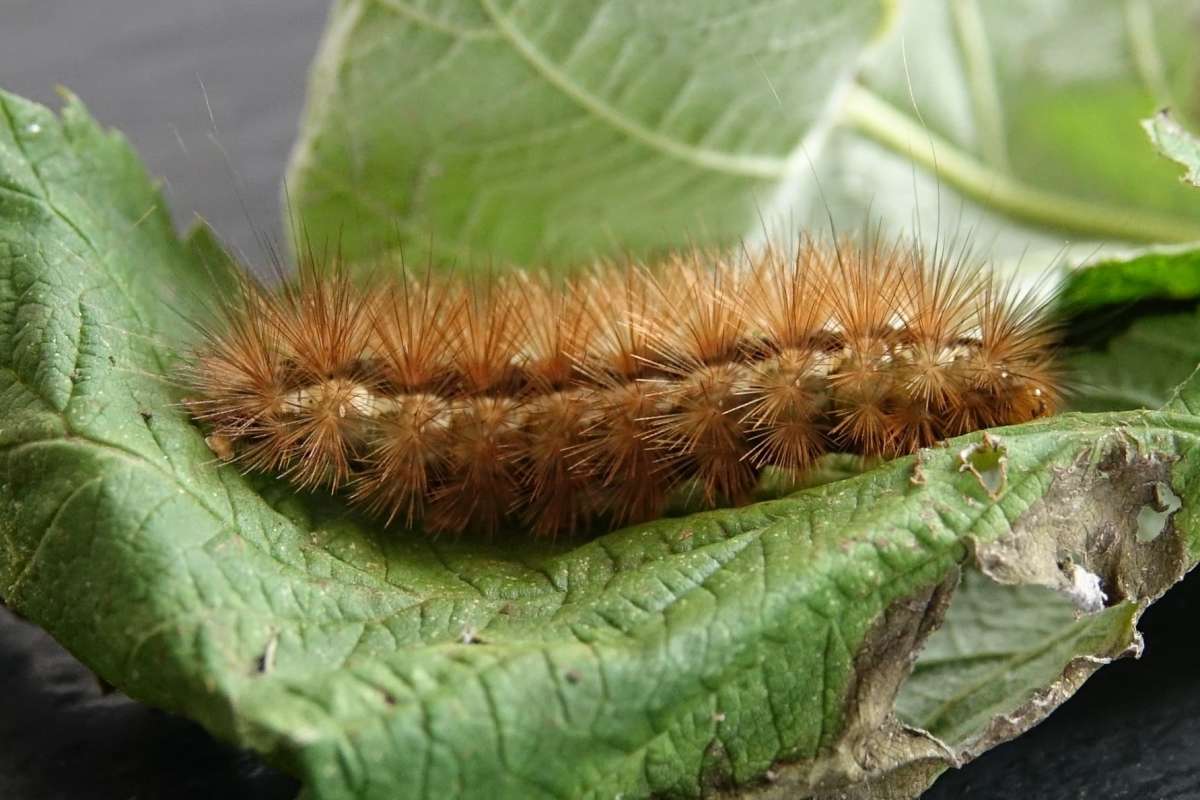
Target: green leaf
{"type": "Point", "coordinates": [498, 131]}
{"type": "Point", "coordinates": [1157, 273]}
{"type": "Point", "coordinates": [505, 130]}
{"type": "Point", "coordinates": [1002, 650]}
{"type": "Point", "coordinates": [1138, 360]}
{"type": "Point", "coordinates": [1174, 142]}
{"type": "Point", "coordinates": [1140, 367]}
{"type": "Point", "coordinates": [747, 651]}
{"type": "Point", "coordinates": [1018, 124]}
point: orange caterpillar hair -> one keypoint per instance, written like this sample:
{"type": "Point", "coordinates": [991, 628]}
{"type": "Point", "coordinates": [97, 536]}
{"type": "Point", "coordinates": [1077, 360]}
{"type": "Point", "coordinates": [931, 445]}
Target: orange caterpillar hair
{"type": "Point", "coordinates": [566, 404]}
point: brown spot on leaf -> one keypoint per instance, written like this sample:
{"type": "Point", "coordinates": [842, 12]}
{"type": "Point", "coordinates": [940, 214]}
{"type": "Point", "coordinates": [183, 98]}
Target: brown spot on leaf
{"type": "Point", "coordinates": [1088, 519]}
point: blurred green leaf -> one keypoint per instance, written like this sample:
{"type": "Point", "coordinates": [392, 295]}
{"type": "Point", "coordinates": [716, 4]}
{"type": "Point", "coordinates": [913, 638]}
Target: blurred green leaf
{"type": "Point", "coordinates": [1125, 358]}
{"type": "Point", "coordinates": [503, 130]}
{"type": "Point", "coordinates": [1139, 367]}
{"type": "Point", "coordinates": [1016, 123]}
{"type": "Point", "coordinates": [503, 133]}
{"type": "Point", "coordinates": [1158, 273]}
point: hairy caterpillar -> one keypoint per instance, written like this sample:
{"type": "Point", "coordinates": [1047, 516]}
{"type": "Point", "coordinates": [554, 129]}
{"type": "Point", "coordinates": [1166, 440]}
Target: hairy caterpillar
{"type": "Point", "coordinates": [565, 404]}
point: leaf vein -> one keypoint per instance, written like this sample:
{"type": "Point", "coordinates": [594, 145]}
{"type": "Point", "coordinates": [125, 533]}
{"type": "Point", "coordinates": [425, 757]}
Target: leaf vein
{"type": "Point", "coordinates": [749, 166]}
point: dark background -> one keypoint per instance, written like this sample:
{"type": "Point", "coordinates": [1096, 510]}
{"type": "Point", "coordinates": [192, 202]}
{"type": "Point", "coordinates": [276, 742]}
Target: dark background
{"type": "Point", "coordinates": [1133, 731]}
